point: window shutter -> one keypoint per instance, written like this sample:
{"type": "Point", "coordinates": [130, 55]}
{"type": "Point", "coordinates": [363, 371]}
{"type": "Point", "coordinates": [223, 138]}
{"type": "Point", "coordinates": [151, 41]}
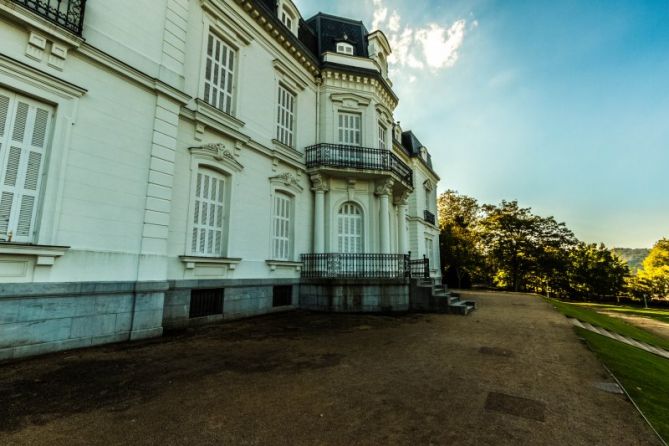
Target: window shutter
{"type": "Point", "coordinates": [207, 234]}
{"type": "Point", "coordinates": [24, 129]}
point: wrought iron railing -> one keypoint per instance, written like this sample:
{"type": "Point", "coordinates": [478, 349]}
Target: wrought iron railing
{"type": "Point", "coordinates": [68, 14]}
{"type": "Point", "coordinates": [355, 157]}
{"type": "Point", "coordinates": [420, 268]}
{"type": "Point", "coordinates": [429, 217]}
{"type": "Point", "coordinates": [355, 266]}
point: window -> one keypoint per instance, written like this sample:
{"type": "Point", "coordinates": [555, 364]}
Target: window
{"type": "Point", "coordinates": [281, 227]}
{"type": "Point", "coordinates": [349, 228]}
{"type": "Point", "coordinates": [282, 295]}
{"type": "Point", "coordinates": [287, 20]}
{"type": "Point", "coordinates": [285, 126]}
{"type": "Point", "coordinates": [349, 129]}
{"type": "Point", "coordinates": [219, 73]}
{"type": "Point", "coordinates": [428, 201]}
{"type": "Point", "coordinates": [206, 303]}
{"type": "Point", "coordinates": [382, 137]}
{"type": "Point", "coordinates": [345, 48]}
{"type": "Point", "coordinates": [24, 135]}
{"type": "Point", "coordinates": [429, 249]}
{"type": "Point", "coordinates": [208, 214]}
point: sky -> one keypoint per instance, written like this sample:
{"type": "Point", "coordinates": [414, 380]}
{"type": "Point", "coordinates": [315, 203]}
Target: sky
{"type": "Point", "coordinates": [561, 105]}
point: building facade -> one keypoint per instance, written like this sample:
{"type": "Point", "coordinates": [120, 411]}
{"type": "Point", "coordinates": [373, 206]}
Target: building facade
{"type": "Point", "coordinates": [166, 162]}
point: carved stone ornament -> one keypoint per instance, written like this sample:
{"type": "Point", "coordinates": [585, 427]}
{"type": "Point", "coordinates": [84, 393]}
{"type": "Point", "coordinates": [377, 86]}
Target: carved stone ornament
{"type": "Point", "coordinates": [319, 184]}
{"type": "Point", "coordinates": [287, 179]}
{"type": "Point", "coordinates": [402, 199]}
{"type": "Point", "coordinates": [385, 188]}
{"type": "Point", "coordinates": [219, 152]}
{"type": "Point", "coordinates": [428, 185]}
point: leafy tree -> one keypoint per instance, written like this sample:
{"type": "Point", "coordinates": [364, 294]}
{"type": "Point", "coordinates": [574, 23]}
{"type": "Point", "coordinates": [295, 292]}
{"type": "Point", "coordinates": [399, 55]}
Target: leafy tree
{"type": "Point", "coordinates": [596, 271]}
{"type": "Point", "coordinates": [654, 276]}
{"type": "Point", "coordinates": [458, 239]}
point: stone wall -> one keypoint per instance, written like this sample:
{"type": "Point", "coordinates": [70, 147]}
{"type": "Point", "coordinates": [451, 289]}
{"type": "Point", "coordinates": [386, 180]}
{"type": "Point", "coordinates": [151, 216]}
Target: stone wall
{"type": "Point", "coordinates": [355, 295]}
{"type": "Point", "coordinates": [241, 298]}
{"type": "Point", "coordinates": [41, 317]}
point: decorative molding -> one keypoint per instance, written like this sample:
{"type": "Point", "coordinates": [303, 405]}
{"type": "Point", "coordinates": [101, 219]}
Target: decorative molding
{"type": "Point", "coordinates": [319, 183]}
{"type": "Point", "coordinates": [385, 113]}
{"type": "Point", "coordinates": [347, 99]}
{"type": "Point", "coordinates": [288, 75]}
{"type": "Point", "coordinates": [46, 255]}
{"type": "Point", "coordinates": [218, 152]}
{"type": "Point", "coordinates": [428, 185]}
{"type": "Point", "coordinates": [350, 188]}
{"type": "Point", "coordinates": [38, 78]}
{"type": "Point", "coordinates": [385, 187]}
{"type": "Point", "coordinates": [191, 261]}
{"type": "Point", "coordinates": [288, 180]}
{"type": "Point", "coordinates": [236, 35]}
{"type": "Point", "coordinates": [402, 199]}
{"type": "Point", "coordinates": [274, 264]}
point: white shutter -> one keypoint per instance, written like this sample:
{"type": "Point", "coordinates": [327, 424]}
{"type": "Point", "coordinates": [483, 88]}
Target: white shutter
{"type": "Point", "coordinates": [24, 127]}
{"type": "Point", "coordinates": [208, 214]}
{"type": "Point", "coordinates": [349, 226]}
{"type": "Point", "coordinates": [281, 227]}
{"type": "Point", "coordinates": [218, 75]}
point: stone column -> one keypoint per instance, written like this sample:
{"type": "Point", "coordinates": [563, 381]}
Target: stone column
{"type": "Point", "coordinates": [319, 188]}
{"type": "Point", "coordinates": [384, 192]}
{"type": "Point", "coordinates": [402, 239]}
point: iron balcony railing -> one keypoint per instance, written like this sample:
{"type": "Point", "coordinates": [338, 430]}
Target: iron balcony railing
{"type": "Point", "coordinates": [429, 217]}
{"type": "Point", "coordinates": [355, 157]}
{"type": "Point", "coordinates": [68, 14]}
{"type": "Point", "coordinates": [355, 266]}
{"type": "Point", "coordinates": [420, 268]}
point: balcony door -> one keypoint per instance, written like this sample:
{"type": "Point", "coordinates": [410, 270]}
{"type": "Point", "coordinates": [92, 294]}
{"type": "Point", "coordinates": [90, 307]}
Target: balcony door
{"type": "Point", "coordinates": [349, 225]}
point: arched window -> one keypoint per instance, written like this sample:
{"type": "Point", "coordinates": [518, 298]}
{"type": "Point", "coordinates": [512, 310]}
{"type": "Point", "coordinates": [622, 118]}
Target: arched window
{"type": "Point", "coordinates": [208, 213]}
{"type": "Point", "coordinates": [349, 228]}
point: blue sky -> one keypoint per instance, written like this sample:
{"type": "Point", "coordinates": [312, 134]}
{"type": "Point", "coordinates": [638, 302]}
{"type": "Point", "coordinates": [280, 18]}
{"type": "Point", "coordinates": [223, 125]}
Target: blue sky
{"type": "Point", "coordinates": [562, 105]}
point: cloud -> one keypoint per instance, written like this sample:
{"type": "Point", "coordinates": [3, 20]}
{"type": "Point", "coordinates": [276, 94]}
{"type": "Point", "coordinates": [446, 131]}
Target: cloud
{"type": "Point", "coordinates": [432, 46]}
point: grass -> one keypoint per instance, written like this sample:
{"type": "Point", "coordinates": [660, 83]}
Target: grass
{"type": "Point", "coordinates": [585, 314]}
{"type": "Point", "coordinates": [644, 375]}
{"type": "Point", "coordinates": [661, 315]}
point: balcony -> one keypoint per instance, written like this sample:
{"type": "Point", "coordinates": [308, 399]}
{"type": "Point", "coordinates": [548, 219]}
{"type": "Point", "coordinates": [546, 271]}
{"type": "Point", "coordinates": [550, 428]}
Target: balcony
{"type": "Point", "coordinates": [67, 14]}
{"type": "Point", "coordinates": [358, 158]}
{"type": "Point", "coordinates": [429, 217]}
{"type": "Point", "coordinates": [355, 266]}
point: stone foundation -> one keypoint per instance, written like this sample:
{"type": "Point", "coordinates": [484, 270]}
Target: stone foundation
{"type": "Point", "coordinates": [355, 295]}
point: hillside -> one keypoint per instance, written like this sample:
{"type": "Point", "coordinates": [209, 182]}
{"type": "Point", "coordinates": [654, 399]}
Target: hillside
{"type": "Point", "coordinates": [633, 256]}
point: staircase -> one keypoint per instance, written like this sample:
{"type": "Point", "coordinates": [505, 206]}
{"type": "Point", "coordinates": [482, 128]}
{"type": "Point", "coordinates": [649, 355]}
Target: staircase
{"type": "Point", "coordinates": [426, 296]}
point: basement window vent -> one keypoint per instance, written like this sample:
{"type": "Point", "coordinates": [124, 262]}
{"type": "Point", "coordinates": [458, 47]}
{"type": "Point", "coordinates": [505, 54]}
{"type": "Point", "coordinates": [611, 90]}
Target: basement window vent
{"type": "Point", "coordinates": [282, 296]}
{"type": "Point", "coordinates": [207, 302]}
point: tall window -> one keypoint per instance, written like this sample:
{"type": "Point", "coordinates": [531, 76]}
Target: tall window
{"type": "Point", "coordinates": [285, 126]}
{"type": "Point", "coordinates": [281, 227]}
{"type": "Point", "coordinates": [349, 228]}
{"type": "Point", "coordinates": [209, 214]}
{"type": "Point", "coordinates": [429, 250]}
{"type": "Point", "coordinates": [219, 73]}
{"type": "Point", "coordinates": [24, 129]}
{"type": "Point", "coordinates": [350, 129]}
{"type": "Point", "coordinates": [382, 137]}
{"type": "Point", "coordinates": [428, 200]}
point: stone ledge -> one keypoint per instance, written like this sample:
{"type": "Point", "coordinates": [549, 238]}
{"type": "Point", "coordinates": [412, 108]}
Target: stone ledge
{"type": "Point", "coordinates": [274, 264]}
{"type": "Point", "coordinates": [57, 289]}
{"type": "Point", "coordinates": [46, 254]}
{"type": "Point", "coordinates": [191, 261]}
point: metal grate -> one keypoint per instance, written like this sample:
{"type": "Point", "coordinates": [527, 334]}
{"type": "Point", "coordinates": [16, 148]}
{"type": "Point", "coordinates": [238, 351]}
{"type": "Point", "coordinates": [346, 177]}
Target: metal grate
{"type": "Point", "coordinates": [355, 266]}
{"type": "Point", "coordinates": [282, 296]}
{"type": "Point", "coordinates": [207, 302]}
{"type": "Point", "coordinates": [354, 157]}
{"type": "Point", "coordinates": [68, 14]}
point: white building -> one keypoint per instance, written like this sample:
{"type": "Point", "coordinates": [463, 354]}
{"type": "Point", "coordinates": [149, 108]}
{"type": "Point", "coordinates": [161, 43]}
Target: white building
{"type": "Point", "coordinates": [165, 161]}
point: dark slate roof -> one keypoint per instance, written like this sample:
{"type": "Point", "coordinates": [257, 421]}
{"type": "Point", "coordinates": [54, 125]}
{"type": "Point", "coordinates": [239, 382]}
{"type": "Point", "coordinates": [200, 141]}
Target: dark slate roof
{"type": "Point", "coordinates": [412, 145]}
{"type": "Point", "coordinates": [330, 30]}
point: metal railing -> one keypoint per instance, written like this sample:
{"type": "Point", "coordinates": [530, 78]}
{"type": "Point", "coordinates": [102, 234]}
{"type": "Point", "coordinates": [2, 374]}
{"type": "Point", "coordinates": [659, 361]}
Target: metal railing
{"type": "Point", "coordinates": [68, 14]}
{"type": "Point", "coordinates": [429, 217]}
{"type": "Point", "coordinates": [420, 268]}
{"type": "Point", "coordinates": [355, 266]}
{"type": "Point", "coordinates": [355, 157]}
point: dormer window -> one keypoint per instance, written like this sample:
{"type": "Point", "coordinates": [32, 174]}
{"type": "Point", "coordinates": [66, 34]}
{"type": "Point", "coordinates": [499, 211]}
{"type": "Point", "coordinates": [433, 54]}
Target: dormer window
{"type": "Point", "coordinates": [287, 20]}
{"type": "Point", "coordinates": [345, 48]}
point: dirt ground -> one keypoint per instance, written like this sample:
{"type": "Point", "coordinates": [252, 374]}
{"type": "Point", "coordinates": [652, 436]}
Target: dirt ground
{"type": "Point", "coordinates": [513, 372]}
{"type": "Point", "coordinates": [647, 323]}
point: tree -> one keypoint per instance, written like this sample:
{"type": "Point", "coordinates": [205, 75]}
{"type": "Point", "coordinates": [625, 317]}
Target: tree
{"type": "Point", "coordinates": [654, 275]}
{"type": "Point", "coordinates": [458, 219]}
{"type": "Point", "coordinates": [596, 272]}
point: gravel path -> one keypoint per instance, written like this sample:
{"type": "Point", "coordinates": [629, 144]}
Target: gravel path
{"type": "Point", "coordinates": [512, 373]}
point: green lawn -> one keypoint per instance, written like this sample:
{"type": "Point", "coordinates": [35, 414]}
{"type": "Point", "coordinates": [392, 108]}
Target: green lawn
{"type": "Point", "coordinates": [586, 314]}
{"type": "Point", "coordinates": [644, 375]}
{"type": "Point", "coordinates": [655, 313]}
